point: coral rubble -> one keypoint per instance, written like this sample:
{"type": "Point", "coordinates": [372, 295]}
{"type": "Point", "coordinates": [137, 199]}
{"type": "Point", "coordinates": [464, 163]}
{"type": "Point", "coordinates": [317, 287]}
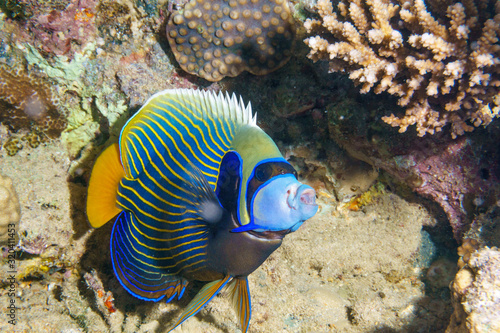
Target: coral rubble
{"type": "Point", "coordinates": [214, 39]}
{"type": "Point", "coordinates": [26, 102]}
{"type": "Point", "coordinates": [9, 210]}
{"type": "Point", "coordinates": [442, 61]}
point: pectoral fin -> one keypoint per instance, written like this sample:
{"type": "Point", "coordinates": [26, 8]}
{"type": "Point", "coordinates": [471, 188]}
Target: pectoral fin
{"type": "Point", "coordinates": [201, 299]}
{"type": "Point", "coordinates": [240, 296]}
{"type": "Point", "coordinates": [203, 197]}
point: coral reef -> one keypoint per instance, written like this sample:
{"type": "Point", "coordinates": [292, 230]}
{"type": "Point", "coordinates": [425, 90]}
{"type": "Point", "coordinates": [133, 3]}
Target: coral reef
{"type": "Point", "coordinates": [468, 247]}
{"type": "Point", "coordinates": [118, 28]}
{"type": "Point", "coordinates": [476, 294]}
{"type": "Point", "coordinates": [454, 174]}
{"type": "Point", "coordinates": [14, 9]}
{"type": "Point", "coordinates": [214, 39]}
{"type": "Point", "coordinates": [66, 28]}
{"type": "Point", "coordinates": [442, 62]}
{"type": "Point", "coordinates": [462, 175]}
{"type": "Point", "coordinates": [485, 229]}
{"type": "Point", "coordinates": [9, 211]}
{"type": "Point", "coordinates": [101, 81]}
{"type": "Point", "coordinates": [27, 102]}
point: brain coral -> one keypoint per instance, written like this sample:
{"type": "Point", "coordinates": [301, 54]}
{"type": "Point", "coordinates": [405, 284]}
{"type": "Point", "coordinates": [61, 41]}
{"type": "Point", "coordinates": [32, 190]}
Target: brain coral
{"type": "Point", "coordinates": [9, 207]}
{"type": "Point", "coordinates": [219, 38]}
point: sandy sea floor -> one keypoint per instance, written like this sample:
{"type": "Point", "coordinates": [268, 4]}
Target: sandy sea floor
{"type": "Point", "coordinates": [342, 271]}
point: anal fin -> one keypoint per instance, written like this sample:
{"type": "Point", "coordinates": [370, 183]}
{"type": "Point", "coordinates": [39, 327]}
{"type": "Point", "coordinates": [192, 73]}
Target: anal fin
{"type": "Point", "coordinates": [148, 285]}
{"type": "Point", "coordinates": [240, 296]}
{"type": "Point", "coordinates": [201, 299]}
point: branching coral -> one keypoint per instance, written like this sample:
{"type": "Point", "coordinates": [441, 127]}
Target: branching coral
{"type": "Point", "coordinates": [441, 61]}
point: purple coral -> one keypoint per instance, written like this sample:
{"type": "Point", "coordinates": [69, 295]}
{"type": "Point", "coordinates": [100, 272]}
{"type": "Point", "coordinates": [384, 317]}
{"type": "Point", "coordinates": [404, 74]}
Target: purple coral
{"type": "Point", "coordinates": [461, 175]}
{"type": "Point", "coordinates": [452, 175]}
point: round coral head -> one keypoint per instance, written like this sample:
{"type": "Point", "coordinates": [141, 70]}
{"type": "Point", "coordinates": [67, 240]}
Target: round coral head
{"type": "Point", "coordinates": [218, 38]}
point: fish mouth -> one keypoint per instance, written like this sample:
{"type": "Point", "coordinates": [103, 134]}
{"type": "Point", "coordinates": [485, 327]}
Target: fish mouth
{"type": "Point", "coordinates": [270, 235]}
{"type": "Point", "coordinates": [308, 196]}
{"type": "Point", "coordinates": [300, 196]}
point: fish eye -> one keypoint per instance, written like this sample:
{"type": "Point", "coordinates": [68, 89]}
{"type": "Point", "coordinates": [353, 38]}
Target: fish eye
{"type": "Point", "coordinates": [262, 173]}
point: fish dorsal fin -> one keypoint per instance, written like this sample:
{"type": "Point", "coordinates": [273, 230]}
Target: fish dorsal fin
{"type": "Point", "coordinates": [192, 125]}
{"type": "Point", "coordinates": [103, 185]}
{"type": "Point", "coordinates": [240, 296]}
{"type": "Point", "coordinates": [201, 299]}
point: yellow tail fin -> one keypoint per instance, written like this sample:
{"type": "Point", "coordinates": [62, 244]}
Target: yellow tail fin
{"type": "Point", "coordinates": [104, 180]}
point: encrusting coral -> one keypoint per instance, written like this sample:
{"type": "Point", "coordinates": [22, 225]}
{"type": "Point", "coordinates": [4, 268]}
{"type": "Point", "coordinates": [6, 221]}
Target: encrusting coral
{"type": "Point", "coordinates": [26, 102]}
{"type": "Point", "coordinates": [214, 39]}
{"type": "Point", "coordinates": [66, 28]}
{"type": "Point", "coordinates": [9, 211]}
{"type": "Point", "coordinates": [476, 294]}
{"type": "Point", "coordinates": [442, 61]}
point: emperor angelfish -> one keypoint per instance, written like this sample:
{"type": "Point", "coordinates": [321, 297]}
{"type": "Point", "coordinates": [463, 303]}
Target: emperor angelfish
{"type": "Point", "coordinates": [198, 192]}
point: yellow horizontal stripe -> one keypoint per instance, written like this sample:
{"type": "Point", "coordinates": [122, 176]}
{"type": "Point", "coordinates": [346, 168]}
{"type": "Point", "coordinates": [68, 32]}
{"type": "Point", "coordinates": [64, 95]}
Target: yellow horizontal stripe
{"type": "Point", "coordinates": [163, 258]}
{"type": "Point", "coordinates": [162, 267]}
{"type": "Point", "coordinates": [152, 205]}
{"type": "Point", "coordinates": [172, 247]}
{"type": "Point", "coordinates": [167, 192]}
{"type": "Point", "coordinates": [154, 217]}
{"type": "Point", "coordinates": [168, 231]}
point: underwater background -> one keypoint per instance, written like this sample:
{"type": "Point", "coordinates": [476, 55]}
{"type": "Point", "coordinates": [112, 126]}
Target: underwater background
{"type": "Point", "coordinates": [388, 109]}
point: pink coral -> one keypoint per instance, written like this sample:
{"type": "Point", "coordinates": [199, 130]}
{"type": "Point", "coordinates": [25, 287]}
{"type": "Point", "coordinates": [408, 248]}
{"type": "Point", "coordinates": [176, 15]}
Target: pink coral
{"type": "Point", "coordinates": [62, 31]}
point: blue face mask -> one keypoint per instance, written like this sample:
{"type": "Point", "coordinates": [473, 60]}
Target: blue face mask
{"type": "Point", "coordinates": [281, 203]}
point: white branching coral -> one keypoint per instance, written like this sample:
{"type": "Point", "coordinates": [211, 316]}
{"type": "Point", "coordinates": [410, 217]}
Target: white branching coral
{"type": "Point", "coordinates": [441, 59]}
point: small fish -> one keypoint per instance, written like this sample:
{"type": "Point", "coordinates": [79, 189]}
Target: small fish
{"type": "Point", "coordinates": [198, 192]}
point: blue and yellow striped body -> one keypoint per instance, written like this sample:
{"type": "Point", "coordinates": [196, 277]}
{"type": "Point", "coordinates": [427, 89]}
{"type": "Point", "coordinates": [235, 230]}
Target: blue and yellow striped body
{"type": "Point", "coordinates": [179, 183]}
{"type": "Point", "coordinates": [161, 235]}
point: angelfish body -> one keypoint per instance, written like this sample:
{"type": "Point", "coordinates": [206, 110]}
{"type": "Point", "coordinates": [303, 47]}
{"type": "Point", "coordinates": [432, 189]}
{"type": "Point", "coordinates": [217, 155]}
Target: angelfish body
{"type": "Point", "coordinates": [198, 192]}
